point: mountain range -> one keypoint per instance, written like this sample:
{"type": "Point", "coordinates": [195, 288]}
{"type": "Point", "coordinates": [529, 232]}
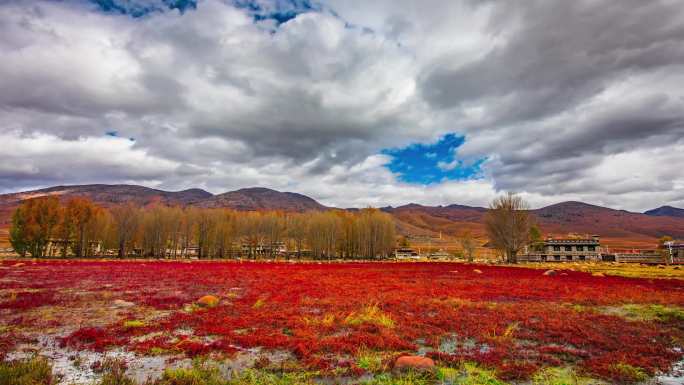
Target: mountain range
{"type": "Point", "coordinates": [618, 227]}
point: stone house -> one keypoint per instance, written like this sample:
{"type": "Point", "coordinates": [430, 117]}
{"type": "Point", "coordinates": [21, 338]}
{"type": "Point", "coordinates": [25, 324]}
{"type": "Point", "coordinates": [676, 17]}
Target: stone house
{"type": "Point", "coordinates": [564, 250]}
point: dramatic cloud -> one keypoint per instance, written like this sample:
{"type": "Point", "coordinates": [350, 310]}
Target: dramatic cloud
{"type": "Point", "coordinates": [349, 102]}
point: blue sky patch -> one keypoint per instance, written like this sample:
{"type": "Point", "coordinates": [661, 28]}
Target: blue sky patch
{"type": "Point", "coordinates": [431, 163]}
{"type": "Point", "coordinates": [142, 8]}
{"type": "Point", "coordinates": [281, 11]}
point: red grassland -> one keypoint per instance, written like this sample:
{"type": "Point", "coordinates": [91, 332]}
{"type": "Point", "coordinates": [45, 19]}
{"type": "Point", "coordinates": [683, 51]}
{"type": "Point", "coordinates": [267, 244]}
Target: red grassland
{"type": "Point", "coordinates": [513, 320]}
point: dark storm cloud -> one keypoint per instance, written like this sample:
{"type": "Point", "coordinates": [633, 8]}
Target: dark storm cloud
{"type": "Point", "coordinates": [556, 59]}
{"type": "Point", "coordinates": [557, 96]}
{"type": "Point", "coordinates": [556, 54]}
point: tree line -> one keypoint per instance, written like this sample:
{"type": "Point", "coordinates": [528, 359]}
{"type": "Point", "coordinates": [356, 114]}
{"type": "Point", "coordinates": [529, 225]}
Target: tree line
{"type": "Point", "coordinates": [78, 227]}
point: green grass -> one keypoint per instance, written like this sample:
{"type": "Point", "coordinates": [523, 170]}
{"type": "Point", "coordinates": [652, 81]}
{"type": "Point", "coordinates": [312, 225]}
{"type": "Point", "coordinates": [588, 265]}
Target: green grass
{"type": "Point", "coordinates": [197, 375]}
{"type": "Point", "coordinates": [561, 376]}
{"type": "Point", "coordinates": [34, 371]}
{"type": "Point", "coordinates": [258, 377]}
{"type": "Point", "coordinates": [654, 312]}
{"type": "Point", "coordinates": [471, 374]}
{"type": "Point", "coordinates": [410, 378]}
{"type": "Point", "coordinates": [369, 361]}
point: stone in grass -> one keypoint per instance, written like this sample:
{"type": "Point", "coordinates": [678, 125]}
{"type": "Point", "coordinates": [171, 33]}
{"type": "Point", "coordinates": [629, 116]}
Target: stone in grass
{"type": "Point", "coordinates": [119, 303]}
{"type": "Point", "coordinates": [477, 271]}
{"type": "Point", "coordinates": [598, 275]}
{"type": "Point", "coordinates": [208, 301]}
{"type": "Point", "coordinates": [550, 272]}
{"type": "Point", "coordinates": [416, 363]}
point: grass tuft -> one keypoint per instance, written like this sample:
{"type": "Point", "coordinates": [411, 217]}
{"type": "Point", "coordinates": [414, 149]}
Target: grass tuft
{"type": "Point", "coordinates": [259, 303]}
{"type": "Point", "coordinates": [475, 375]}
{"type": "Point", "coordinates": [260, 377]}
{"type": "Point", "coordinates": [34, 371]}
{"type": "Point", "coordinates": [629, 373]}
{"type": "Point", "coordinates": [369, 361]}
{"type": "Point", "coordinates": [409, 378]}
{"type": "Point", "coordinates": [132, 324]}
{"type": "Point", "coordinates": [371, 314]}
{"type": "Point", "coordinates": [560, 376]}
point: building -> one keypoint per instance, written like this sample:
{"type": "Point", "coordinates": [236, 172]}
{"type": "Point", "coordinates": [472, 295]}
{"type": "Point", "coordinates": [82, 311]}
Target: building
{"type": "Point", "coordinates": [564, 250]}
{"type": "Point", "coordinates": [440, 254]}
{"type": "Point", "coordinates": [676, 252]}
{"type": "Point", "coordinates": [406, 253]}
{"type": "Point", "coordinates": [636, 256]}
{"type": "Point", "coordinates": [55, 247]}
{"type": "Point", "coordinates": [264, 249]}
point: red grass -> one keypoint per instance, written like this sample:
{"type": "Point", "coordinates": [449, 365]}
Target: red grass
{"type": "Point", "coordinates": [511, 319]}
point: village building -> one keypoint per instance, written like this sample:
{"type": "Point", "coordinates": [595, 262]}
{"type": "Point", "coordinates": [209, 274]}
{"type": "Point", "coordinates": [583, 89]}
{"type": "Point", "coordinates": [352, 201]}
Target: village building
{"type": "Point", "coordinates": [55, 247]}
{"type": "Point", "coordinates": [440, 254]}
{"type": "Point", "coordinates": [563, 250]}
{"type": "Point", "coordinates": [676, 251]}
{"type": "Point", "coordinates": [264, 249]}
{"type": "Point", "coordinates": [406, 253]}
{"type": "Point", "coordinates": [634, 256]}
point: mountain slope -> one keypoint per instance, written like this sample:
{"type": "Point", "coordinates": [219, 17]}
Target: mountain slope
{"type": "Point", "coordinates": [102, 194]}
{"type": "Point", "coordinates": [666, 211]}
{"type": "Point", "coordinates": [107, 195]}
{"type": "Point", "coordinates": [259, 198]}
{"type": "Point", "coordinates": [558, 219]}
{"type": "Point", "coordinates": [621, 227]}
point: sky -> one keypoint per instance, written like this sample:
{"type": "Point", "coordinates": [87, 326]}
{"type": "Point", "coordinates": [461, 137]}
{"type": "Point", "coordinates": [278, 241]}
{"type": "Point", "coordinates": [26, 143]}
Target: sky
{"type": "Point", "coordinates": [354, 103]}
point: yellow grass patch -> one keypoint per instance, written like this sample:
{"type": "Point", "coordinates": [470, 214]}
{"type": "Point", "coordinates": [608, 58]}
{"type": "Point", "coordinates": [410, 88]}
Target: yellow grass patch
{"type": "Point", "coordinates": [371, 314]}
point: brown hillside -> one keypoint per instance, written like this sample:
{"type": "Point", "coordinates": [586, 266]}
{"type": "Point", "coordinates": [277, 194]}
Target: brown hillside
{"type": "Point", "coordinates": [259, 198]}
{"type": "Point", "coordinates": [618, 228]}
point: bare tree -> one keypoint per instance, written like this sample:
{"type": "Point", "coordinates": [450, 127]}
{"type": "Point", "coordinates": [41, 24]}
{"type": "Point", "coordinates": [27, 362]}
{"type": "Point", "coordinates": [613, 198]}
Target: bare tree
{"type": "Point", "coordinates": [467, 243]}
{"type": "Point", "coordinates": [508, 225]}
{"type": "Point", "coordinates": [126, 220]}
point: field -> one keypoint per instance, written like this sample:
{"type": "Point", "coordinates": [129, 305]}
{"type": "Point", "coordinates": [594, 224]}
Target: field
{"type": "Point", "coordinates": [293, 323]}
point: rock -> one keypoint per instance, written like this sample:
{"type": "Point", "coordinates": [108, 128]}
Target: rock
{"type": "Point", "coordinates": [661, 266]}
{"type": "Point", "coordinates": [598, 274]}
{"type": "Point", "coordinates": [417, 363]}
{"type": "Point", "coordinates": [123, 304]}
{"type": "Point", "coordinates": [675, 268]}
{"type": "Point", "coordinates": [208, 301]}
{"type": "Point", "coordinates": [453, 271]}
{"type": "Point", "coordinates": [563, 273]}
{"type": "Point", "coordinates": [550, 272]}
{"type": "Point", "coordinates": [477, 271]}
{"type": "Point", "coordinates": [18, 264]}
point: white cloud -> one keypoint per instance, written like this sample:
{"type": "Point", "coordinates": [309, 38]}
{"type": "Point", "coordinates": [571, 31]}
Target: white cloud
{"type": "Point", "coordinates": [560, 107]}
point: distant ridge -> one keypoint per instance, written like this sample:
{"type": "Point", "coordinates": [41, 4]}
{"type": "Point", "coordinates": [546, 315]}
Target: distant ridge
{"type": "Point", "coordinates": [260, 198]}
{"type": "Point", "coordinates": [107, 194]}
{"type": "Point", "coordinates": [666, 211]}
{"type": "Point", "coordinates": [415, 219]}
